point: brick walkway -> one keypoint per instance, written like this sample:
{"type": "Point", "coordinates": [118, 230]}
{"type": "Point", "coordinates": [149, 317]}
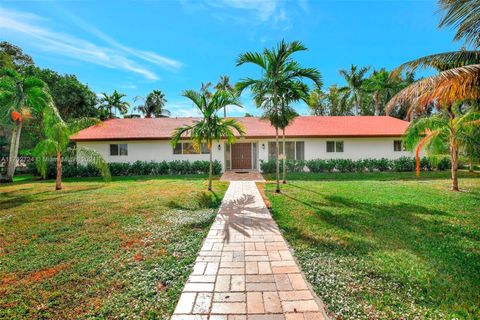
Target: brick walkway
{"type": "Point", "coordinates": [245, 269]}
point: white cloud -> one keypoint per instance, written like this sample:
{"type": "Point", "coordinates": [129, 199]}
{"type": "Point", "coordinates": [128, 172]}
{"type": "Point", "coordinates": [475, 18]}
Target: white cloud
{"type": "Point", "coordinates": [115, 56]}
{"type": "Point", "coordinates": [264, 11]}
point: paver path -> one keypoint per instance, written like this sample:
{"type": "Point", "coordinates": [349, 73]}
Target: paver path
{"type": "Point", "coordinates": [245, 269]}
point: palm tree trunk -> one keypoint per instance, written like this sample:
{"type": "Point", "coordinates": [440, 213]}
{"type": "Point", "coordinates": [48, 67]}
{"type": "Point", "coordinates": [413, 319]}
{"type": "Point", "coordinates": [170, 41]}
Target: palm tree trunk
{"type": "Point", "coordinates": [277, 163]}
{"type": "Point", "coordinates": [376, 100]}
{"type": "Point", "coordinates": [224, 112]}
{"type": "Point", "coordinates": [58, 181]}
{"type": "Point", "coordinates": [454, 170]}
{"type": "Point", "coordinates": [210, 171]}
{"type": "Point", "coordinates": [284, 159]}
{"type": "Point", "coordinates": [470, 164]}
{"type": "Point", "coordinates": [453, 154]}
{"type": "Point", "coordinates": [12, 159]}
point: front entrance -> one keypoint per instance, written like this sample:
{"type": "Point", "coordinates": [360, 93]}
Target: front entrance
{"type": "Point", "coordinates": [241, 156]}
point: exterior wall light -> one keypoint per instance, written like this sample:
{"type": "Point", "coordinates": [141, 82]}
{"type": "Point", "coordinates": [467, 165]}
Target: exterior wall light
{"type": "Point", "coordinates": [263, 146]}
{"type": "Point", "coordinates": [219, 147]}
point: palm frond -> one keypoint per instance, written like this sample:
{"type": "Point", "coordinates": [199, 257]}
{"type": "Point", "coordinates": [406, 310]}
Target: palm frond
{"type": "Point", "coordinates": [444, 89]}
{"type": "Point", "coordinates": [43, 151]}
{"type": "Point", "coordinates": [464, 15]}
{"type": "Point", "coordinates": [252, 57]}
{"type": "Point", "coordinates": [195, 97]}
{"type": "Point", "coordinates": [440, 61]}
{"type": "Point", "coordinates": [92, 156]}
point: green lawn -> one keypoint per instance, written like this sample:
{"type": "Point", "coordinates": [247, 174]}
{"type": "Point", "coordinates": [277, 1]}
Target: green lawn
{"type": "Point", "coordinates": [96, 250]}
{"type": "Point", "coordinates": [386, 245]}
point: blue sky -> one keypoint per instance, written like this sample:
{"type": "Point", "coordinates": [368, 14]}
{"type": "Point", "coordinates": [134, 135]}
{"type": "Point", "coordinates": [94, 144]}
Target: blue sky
{"type": "Point", "coordinates": [138, 46]}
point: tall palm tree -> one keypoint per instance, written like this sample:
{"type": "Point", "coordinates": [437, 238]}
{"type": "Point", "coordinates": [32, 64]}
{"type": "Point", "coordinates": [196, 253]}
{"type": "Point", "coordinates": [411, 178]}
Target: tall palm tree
{"type": "Point", "coordinates": [224, 84]}
{"type": "Point", "coordinates": [459, 76]}
{"type": "Point", "coordinates": [211, 127]}
{"type": "Point", "coordinates": [153, 105]}
{"type": "Point", "coordinates": [440, 132]}
{"type": "Point", "coordinates": [20, 98]}
{"type": "Point", "coordinates": [355, 78]}
{"type": "Point", "coordinates": [114, 101]}
{"type": "Point", "coordinates": [55, 144]}
{"type": "Point", "coordinates": [279, 71]}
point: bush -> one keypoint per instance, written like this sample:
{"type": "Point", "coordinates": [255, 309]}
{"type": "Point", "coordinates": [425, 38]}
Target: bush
{"type": "Point", "coordinates": [267, 166]}
{"type": "Point", "coordinates": [138, 168]}
{"type": "Point", "coordinates": [403, 164]}
{"type": "Point", "coordinates": [444, 164]}
{"type": "Point", "coordinates": [345, 165]}
{"type": "Point", "coordinates": [316, 165]}
{"type": "Point", "coordinates": [295, 165]}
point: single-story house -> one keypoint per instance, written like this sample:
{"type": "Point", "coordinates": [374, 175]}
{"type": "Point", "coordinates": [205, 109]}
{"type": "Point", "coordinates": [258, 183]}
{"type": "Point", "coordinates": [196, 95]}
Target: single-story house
{"type": "Point", "coordinates": [308, 137]}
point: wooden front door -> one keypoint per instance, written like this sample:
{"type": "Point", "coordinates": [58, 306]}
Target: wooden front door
{"type": "Point", "coordinates": [241, 156]}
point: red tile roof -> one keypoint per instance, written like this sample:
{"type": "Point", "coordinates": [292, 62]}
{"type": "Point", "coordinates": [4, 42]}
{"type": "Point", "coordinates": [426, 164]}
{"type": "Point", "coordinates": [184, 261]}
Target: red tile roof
{"type": "Point", "coordinates": [302, 127]}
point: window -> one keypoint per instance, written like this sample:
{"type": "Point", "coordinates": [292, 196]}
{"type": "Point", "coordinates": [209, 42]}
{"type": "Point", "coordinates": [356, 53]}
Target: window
{"type": "Point", "coordinates": [177, 149]}
{"type": "Point", "coordinates": [335, 146]}
{"type": "Point", "coordinates": [330, 146]}
{"type": "Point", "coordinates": [300, 150]}
{"type": "Point", "coordinates": [398, 145]}
{"type": "Point", "coordinates": [119, 149]}
{"type": "Point", "coordinates": [188, 148]}
{"type": "Point", "coordinates": [293, 150]}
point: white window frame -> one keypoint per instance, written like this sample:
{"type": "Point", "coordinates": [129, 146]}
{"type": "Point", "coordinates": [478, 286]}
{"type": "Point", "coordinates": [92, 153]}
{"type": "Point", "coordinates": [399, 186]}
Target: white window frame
{"type": "Point", "coordinates": [294, 148]}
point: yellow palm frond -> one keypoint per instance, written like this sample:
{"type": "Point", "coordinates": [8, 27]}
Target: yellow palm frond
{"type": "Point", "coordinates": [444, 89]}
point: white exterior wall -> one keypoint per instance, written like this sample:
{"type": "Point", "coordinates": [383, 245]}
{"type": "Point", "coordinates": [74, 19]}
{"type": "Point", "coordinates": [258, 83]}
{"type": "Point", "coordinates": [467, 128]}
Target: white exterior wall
{"type": "Point", "coordinates": [151, 150]}
{"type": "Point", "coordinates": [315, 148]}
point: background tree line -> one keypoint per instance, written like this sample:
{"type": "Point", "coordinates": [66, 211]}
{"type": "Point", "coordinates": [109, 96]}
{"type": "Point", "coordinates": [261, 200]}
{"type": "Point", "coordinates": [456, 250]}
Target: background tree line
{"type": "Point", "coordinates": [364, 93]}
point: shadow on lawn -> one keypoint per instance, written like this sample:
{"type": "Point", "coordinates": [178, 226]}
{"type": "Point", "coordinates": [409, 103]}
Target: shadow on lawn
{"type": "Point", "coordinates": [400, 226]}
{"type": "Point", "coordinates": [19, 197]}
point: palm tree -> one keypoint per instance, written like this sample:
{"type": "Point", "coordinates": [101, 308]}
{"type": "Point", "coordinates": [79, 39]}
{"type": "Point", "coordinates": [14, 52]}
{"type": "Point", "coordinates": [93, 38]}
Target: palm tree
{"type": "Point", "coordinates": [57, 138]}
{"type": "Point", "coordinates": [459, 76]}
{"type": "Point", "coordinates": [154, 105]}
{"type": "Point", "coordinates": [224, 84]}
{"type": "Point", "coordinates": [438, 133]}
{"type": "Point", "coordinates": [20, 98]}
{"type": "Point", "coordinates": [354, 90]}
{"type": "Point", "coordinates": [211, 127]}
{"type": "Point", "coordinates": [114, 101]}
{"type": "Point", "coordinates": [279, 71]}
{"type": "Point", "coordinates": [383, 87]}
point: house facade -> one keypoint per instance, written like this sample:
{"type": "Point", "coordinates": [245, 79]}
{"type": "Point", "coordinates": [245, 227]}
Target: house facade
{"type": "Point", "coordinates": [310, 137]}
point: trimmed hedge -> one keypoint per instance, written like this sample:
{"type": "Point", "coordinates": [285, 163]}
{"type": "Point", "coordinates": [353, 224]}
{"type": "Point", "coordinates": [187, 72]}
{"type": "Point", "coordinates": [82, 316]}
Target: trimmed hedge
{"type": "Point", "coordinates": [138, 168]}
{"type": "Point", "coordinates": [402, 164]}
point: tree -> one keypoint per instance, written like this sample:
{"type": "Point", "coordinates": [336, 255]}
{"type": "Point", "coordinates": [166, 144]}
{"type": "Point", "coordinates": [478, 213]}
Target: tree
{"type": "Point", "coordinates": [12, 57]}
{"type": "Point", "coordinates": [154, 105]}
{"type": "Point", "coordinates": [211, 127]}
{"type": "Point", "coordinates": [459, 77]}
{"type": "Point", "coordinates": [440, 132]}
{"type": "Point", "coordinates": [114, 101]}
{"type": "Point", "coordinates": [382, 87]}
{"type": "Point", "coordinates": [57, 133]}
{"type": "Point", "coordinates": [21, 98]}
{"type": "Point", "coordinates": [279, 71]}
{"type": "Point", "coordinates": [72, 98]}
{"type": "Point", "coordinates": [354, 89]}
{"type": "Point", "coordinates": [224, 84]}
{"type": "Point", "coordinates": [330, 103]}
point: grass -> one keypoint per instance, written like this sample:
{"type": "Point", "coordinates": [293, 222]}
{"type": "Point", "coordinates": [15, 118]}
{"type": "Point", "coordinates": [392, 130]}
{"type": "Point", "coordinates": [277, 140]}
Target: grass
{"type": "Point", "coordinates": [385, 246]}
{"type": "Point", "coordinates": [98, 251]}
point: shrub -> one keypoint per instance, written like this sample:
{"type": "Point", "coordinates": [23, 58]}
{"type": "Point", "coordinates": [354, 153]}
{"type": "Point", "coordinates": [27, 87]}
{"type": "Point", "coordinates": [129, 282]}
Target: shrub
{"type": "Point", "coordinates": [267, 166]}
{"type": "Point", "coordinates": [444, 164]}
{"type": "Point", "coordinates": [403, 164]}
{"type": "Point", "coordinates": [316, 165]}
{"type": "Point", "coordinates": [138, 168]}
{"type": "Point", "coordinates": [345, 165]}
{"type": "Point", "coordinates": [382, 164]}
{"type": "Point", "coordinates": [295, 165]}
